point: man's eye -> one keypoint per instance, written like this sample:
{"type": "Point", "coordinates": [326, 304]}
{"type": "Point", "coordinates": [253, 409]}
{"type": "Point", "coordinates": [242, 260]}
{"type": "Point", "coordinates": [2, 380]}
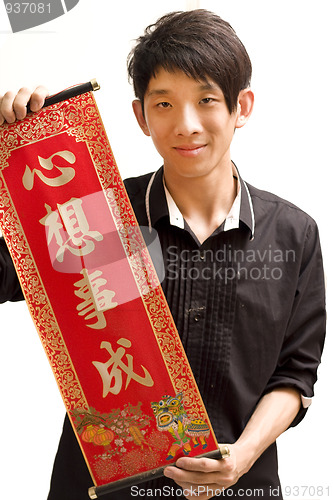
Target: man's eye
{"type": "Point", "coordinates": [207, 100]}
{"type": "Point", "coordinates": [164, 104]}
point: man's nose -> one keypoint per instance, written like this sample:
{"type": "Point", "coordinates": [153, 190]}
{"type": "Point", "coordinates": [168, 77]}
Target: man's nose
{"type": "Point", "coordinates": [187, 121]}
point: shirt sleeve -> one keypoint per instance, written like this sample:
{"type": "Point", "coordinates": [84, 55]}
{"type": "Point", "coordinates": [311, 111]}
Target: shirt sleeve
{"type": "Point", "coordinates": [10, 288]}
{"type": "Point", "coordinates": [304, 338]}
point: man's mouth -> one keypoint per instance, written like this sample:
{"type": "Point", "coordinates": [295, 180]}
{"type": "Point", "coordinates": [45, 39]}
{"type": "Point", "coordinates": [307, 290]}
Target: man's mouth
{"type": "Point", "coordinates": [190, 150]}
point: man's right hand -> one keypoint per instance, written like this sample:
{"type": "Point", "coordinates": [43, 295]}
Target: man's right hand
{"type": "Point", "coordinates": [14, 106]}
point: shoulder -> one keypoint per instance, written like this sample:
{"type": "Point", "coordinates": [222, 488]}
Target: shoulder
{"type": "Point", "coordinates": [137, 185]}
{"type": "Point", "coordinates": [264, 200]}
{"type": "Point", "coordinates": [136, 188]}
{"type": "Point", "coordinates": [270, 210]}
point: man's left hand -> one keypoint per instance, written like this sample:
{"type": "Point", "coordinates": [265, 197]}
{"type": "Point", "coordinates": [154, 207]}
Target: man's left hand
{"type": "Point", "coordinates": [205, 477]}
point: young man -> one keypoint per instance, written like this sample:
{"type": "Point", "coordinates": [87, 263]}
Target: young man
{"type": "Point", "coordinates": [244, 277]}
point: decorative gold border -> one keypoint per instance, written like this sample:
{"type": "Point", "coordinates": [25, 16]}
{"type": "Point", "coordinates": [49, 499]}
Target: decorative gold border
{"type": "Point", "coordinates": [33, 288]}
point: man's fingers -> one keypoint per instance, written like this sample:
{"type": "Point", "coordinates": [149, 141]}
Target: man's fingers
{"type": "Point", "coordinates": [20, 103]}
{"type": "Point", "coordinates": [38, 98]}
{"type": "Point", "coordinates": [6, 108]}
{"type": "Point", "coordinates": [14, 106]}
{"type": "Point", "coordinates": [198, 464]}
{"type": "Point", "coordinates": [181, 476]}
{"type": "Point", "coordinates": [204, 472]}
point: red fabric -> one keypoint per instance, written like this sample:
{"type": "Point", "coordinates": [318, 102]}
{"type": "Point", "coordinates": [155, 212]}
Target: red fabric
{"type": "Point", "coordinates": [66, 217]}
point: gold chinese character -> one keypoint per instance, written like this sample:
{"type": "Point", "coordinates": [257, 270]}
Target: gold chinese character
{"type": "Point", "coordinates": [79, 237]}
{"type": "Point", "coordinates": [67, 173]}
{"type": "Point", "coordinates": [94, 299]}
{"type": "Point", "coordinates": [112, 380]}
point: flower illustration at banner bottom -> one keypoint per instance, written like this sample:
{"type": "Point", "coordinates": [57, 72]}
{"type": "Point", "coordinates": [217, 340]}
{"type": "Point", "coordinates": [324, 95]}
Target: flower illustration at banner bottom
{"type": "Point", "coordinates": [129, 444]}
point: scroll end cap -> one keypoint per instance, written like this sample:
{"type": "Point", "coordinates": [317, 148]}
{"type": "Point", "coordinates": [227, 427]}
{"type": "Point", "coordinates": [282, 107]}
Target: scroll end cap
{"type": "Point", "coordinates": [92, 492]}
{"type": "Point", "coordinates": [95, 86]}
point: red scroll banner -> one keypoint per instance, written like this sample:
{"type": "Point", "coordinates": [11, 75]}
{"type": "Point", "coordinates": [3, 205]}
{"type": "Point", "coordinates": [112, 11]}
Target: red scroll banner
{"type": "Point", "coordinates": [95, 298]}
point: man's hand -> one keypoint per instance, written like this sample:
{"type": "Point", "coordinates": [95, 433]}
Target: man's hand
{"type": "Point", "coordinates": [202, 477]}
{"type": "Point", "coordinates": [14, 106]}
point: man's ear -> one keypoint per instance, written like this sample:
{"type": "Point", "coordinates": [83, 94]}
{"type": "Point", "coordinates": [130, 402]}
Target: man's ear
{"type": "Point", "coordinates": [244, 107]}
{"type": "Point", "coordinates": [137, 108]}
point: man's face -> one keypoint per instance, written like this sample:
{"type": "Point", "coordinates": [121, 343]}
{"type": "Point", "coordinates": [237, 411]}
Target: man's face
{"type": "Point", "coordinates": [189, 123]}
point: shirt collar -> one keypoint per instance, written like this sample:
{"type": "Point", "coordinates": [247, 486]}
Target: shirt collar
{"type": "Point", "coordinates": [159, 203]}
{"type": "Point", "coordinates": [246, 211]}
{"type": "Point", "coordinates": [175, 215]}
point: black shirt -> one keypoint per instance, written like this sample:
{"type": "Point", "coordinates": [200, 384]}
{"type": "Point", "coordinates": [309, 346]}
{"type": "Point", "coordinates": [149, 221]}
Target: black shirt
{"type": "Point", "coordinates": [249, 307]}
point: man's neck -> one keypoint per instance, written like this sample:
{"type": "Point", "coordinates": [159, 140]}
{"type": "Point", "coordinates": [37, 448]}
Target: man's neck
{"type": "Point", "coordinates": [204, 201]}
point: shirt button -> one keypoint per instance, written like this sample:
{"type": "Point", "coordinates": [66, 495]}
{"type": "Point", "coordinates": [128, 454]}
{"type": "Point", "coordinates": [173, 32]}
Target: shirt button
{"type": "Point", "coordinates": [202, 256]}
{"type": "Point", "coordinates": [197, 317]}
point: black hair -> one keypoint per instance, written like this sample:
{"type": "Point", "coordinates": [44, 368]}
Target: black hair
{"type": "Point", "coordinates": [197, 42]}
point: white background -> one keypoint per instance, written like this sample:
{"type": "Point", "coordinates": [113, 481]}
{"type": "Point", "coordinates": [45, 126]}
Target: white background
{"type": "Point", "coordinates": [285, 148]}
